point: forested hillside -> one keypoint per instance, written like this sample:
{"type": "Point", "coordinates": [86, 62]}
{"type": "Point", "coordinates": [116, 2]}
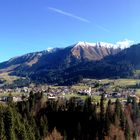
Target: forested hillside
{"type": "Point", "coordinates": [73, 119]}
{"type": "Point", "coordinates": [70, 65]}
{"type": "Point", "coordinates": [65, 66]}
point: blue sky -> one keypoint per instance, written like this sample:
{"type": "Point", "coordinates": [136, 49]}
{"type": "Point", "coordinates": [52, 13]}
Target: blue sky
{"type": "Point", "coordinates": [35, 25]}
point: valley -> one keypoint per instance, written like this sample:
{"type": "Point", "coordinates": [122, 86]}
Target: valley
{"type": "Point", "coordinates": [111, 88]}
{"type": "Point", "coordinates": [59, 93]}
{"type": "Point", "coordinates": [69, 70]}
{"type": "Point", "coordinates": [60, 111]}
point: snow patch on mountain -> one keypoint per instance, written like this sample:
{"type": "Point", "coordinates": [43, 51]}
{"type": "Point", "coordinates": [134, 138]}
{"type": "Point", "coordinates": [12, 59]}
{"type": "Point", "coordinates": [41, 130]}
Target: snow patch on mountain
{"type": "Point", "coordinates": [120, 44]}
{"type": "Point", "coordinates": [125, 43]}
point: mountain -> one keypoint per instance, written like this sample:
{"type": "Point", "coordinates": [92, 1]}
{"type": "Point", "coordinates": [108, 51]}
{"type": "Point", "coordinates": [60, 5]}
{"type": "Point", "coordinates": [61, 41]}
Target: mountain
{"type": "Point", "coordinates": [93, 51]}
{"type": "Point", "coordinates": [68, 65]}
{"type": "Point", "coordinates": [130, 55]}
{"type": "Point", "coordinates": [60, 57]}
{"type": "Point", "coordinates": [28, 59]}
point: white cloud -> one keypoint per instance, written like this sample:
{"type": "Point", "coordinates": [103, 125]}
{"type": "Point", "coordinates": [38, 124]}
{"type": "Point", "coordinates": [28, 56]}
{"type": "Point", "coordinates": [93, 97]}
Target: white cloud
{"type": "Point", "coordinates": [68, 14]}
{"type": "Point", "coordinates": [125, 43]}
{"type": "Point", "coordinates": [78, 18]}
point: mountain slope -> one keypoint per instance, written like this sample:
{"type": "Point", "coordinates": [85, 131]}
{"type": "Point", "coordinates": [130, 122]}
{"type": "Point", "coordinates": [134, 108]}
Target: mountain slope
{"type": "Point", "coordinates": [121, 64]}
{"type": "Point", "coordinates": [59, 58]}
{"type": "Point", "coordinates": [130, 55]}
{"type": "Point", "coordinates": [68, 65]}
{"type": "Point", "coordinates": [28, 60]}
{"type": "Point", "coordinates": [93, 51]}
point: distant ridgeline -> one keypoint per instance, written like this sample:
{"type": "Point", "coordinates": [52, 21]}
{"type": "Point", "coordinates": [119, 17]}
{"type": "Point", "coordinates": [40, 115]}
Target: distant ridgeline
{"type": "Point", "coordinates": [38, 119]}
{"type": "Point", "coordinates": [66, 66]}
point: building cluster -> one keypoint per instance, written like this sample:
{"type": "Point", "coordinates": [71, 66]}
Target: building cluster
{"type": "Point", "coordinates": [18, 98]}
{"type": "Point", "coordinates": [55, 92]}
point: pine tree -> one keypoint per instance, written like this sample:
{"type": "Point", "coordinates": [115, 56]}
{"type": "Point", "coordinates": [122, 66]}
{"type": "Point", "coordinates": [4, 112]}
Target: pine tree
{"type": "Point", "coordinates": [135, 109]}
{"type": "Point", "coordinates": [88, 105]}
{"type": "Point", "coordinates": [29, 131]}
{"type": "Point", "coordinates": [2, 129]}
{"type": "Point", "coordinates": [72, 104]}
{"type": "Point", "coordinates": [108, 117]}
{"type": "Point", "coordinates": [32, 123]}
{"type": "Point", "coordinates": [9, 124]}
{"type": "Point", "coordinates": [102, 118]}
{"type": "Point", "coordinates": [118, 108]}
{"type": "Point", "coordinates": [21, 133]}
{"type": "Point", "coordinates": [127, 131]}
{"type": "Point", "coordinates": [31, 100]}
{"type": "Point", "coordinates": [102, 108]}
{"type": "Point", "coordinates": [79, 131]}
{"type": "Point", "coordinates": [19, 127]}
{"type": "Point", "coordinates": [135, 135]}
{"type": "Point", "coordinates": [122, 120]}
{"type": "Point", "coordinates": [43, 126]}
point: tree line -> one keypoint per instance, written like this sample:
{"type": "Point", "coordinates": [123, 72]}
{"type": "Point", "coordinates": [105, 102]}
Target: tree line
{"type": "Point", "coordinates": [74, 119]}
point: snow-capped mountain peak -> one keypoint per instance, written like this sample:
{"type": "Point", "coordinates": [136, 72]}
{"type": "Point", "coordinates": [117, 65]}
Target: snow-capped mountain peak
{"type": "Point", "coordinates": [82, 43]}
{"type": "Point", "coordinates": [121, 44]}
{"type": "Point", "coordinates": [51, 50]}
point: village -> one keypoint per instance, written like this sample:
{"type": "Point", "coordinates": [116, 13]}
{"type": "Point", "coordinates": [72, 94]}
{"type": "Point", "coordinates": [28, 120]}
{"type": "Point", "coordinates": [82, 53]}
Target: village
{"type": "Point", "coordinates": [81, 90]}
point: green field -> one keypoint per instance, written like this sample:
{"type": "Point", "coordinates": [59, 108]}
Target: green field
{"type": "Point", "coordinates": [11, 94]}
{"type": "Point", "coordinates": [113, 84]}
{"type": "Point", "coordinates": [117, 82]}
{"type": "Point", "coordinates": [8, 78]}
{"type": "Point", "coordinates": [68, 96]}
{"type": "Point", "coordinates": [138, 92]}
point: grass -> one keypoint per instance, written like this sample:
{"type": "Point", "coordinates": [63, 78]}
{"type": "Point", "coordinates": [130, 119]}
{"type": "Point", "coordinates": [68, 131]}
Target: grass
{"type": "Point", "coordinates": [68, 96]}
{"type": "Point", "coordinates": [137, 72]}
{"type": "Point", "coordinates": [138, 92]}
{"type": "Point", "coordinates": [96, 99]}
{"type": "Point", "coordinates": [12, 94]}
{"type": "Point", "coordinates": [7, 77]}
{"type": "Point", "coordinates": [121, 82]}
{"type": "Point", "coordinates": [80, 87]}
{"type": "Point", "coordinates": [113, 83]}
{"type": "Point", "coordinates": [127, 82]}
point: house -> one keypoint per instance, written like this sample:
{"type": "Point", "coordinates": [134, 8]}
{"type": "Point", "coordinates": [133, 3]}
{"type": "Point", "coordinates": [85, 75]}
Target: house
{"type": "Point", "coordinates": [51, 98]}
{"type": "Point", "coordinates": [7, 98]}
{"type": "Point", "coordinates": [17, 99]}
